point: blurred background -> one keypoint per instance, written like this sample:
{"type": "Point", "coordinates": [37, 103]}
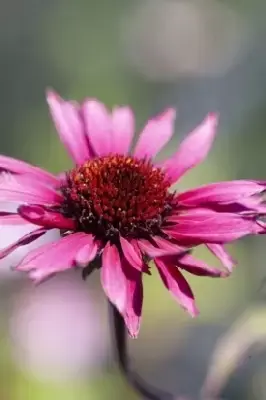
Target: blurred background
{"type": "Point", "coordinates": [196, 55]}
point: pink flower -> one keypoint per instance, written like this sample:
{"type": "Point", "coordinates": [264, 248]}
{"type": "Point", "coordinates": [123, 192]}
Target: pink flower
{"type": "Point", "coordinates": [115, 210]}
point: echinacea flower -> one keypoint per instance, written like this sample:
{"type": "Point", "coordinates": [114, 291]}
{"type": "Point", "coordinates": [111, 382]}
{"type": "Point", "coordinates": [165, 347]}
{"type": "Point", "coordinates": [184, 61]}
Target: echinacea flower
{"type": "Point", "coordinates": [115, 209]}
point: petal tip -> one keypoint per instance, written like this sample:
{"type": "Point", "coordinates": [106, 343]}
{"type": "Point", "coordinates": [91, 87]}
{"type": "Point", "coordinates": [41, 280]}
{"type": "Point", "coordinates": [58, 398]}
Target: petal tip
{"type": "Point", "coordinates": [133, 335]}
{"type": "Point", "coordinates": [52, 95]}
{"type": "Point", "coordinates": [133, 331]}
{"type": "Point", "coordinates": [168, 113]}
{"type": "Point", "coordinates": [225, 274]}
{"type": "Point", "coordinates": [194, 311]}
{"type": "Point", "coordinates": [213, 118]}
{"type": "Point", "coordinates": [93, 104]}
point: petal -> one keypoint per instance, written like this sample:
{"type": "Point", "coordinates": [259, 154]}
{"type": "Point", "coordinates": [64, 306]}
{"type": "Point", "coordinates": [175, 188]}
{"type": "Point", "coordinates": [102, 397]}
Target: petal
{"type": "Point", "coordinates": [38, 215]}
{"type": "Point", "coordinates": [177, 285]}
{"type": "Point", "coordinates": [98, 126]}
{"type": "Point", "coordinates": [25, 189]}
{"type": "Point", "coordinates": [123, 126]}
{"type": "Point", "coordinates": [130, 254]}
{"type": "Point", "coordinates": [134, 298]}
{"type": "Point", "coordinates": [53, 257]}
{"type": "Point", "coordinates": [221, 192]}
{"type": "Point", "coordinates": [171, 248]}
{"type": "Point", "coordinates": [220, 252]}
{"type": "Point", "coordinates": [69, 125]}
{"type": "Point", "coordinates": [21, 167]}
{"type": "Point", "coordinates": [62, 178]}
{"type": "Point", "coordinates": [8, 218]}
{"type": "Point", "coordinates": [252, 204]}
{"type": "Point", "coordinates": [145, 266]}
{"type": "Point", "coordinates": [87, 253]}
{"type": "Point", "coordinates": [155, 134]}
{"type": "Point", "coordinates": [23, 241]}
{"type": "Point", "coordinates": [193, 150]}
{"type": "Point", "coordinates": [192, 214]}
{"type": "Point", "coordinates": [150, 250]}
{"type": "Point", "coordinates": [113, 278]}
{"type": "Point", "coordinates": [199, 268]}
{"type": "Point", "coordinates": [220, 228]}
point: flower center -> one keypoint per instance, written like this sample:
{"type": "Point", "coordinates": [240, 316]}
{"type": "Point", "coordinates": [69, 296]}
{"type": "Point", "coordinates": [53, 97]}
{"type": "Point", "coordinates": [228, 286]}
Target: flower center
{"type": "Point", "coordinates": [117, 194]}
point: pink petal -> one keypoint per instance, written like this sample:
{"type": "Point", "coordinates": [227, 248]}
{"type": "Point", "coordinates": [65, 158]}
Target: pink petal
{"type": "Point", "coordinates": [193, 150]}
{"type": "Point", "coordinates": [149, 249]}
{"type": "Point", "coordinates": [130, 254]}
{"type": "Point", "coordinates": [123, 126]}
{"type": "Point", "coordinates": [25, 189]}
{"type": "Point", "coordinates": [113, 278]}
{"type": "Point", "coordinates": [221, 192]}
{"type": "Point", "coordinates": [69, 125]}
{"type": "Point", "coordinates": [23, 241]}
{"type": "Point", "coordinates": [8, 218]}
{"type": "Point", "coordinates": [62, 177]}
{"type": "Point", "coordinates": [155, 134]}
{"type": "Point", "coordinates": [220, 228]}
{"type": "Point", "coordinates": [192, 214]}
{"type": "Point", "coordinates": [220, 252]}
{"type": "Point", "coordinates": [199, 268]}
{"type": "Point", "coordinates": [28, 262]}
{"type": "Point", "coordinates": [145, 266]}
{"type": "Point", "coordinates": [53, 257]}
{"type": "Point", "coordinates": [247, 206]}
{"type": "Point", "coordinates": [177, 285]}
{"type": "Point", "coordinates": [255, 203]}
{"type": "Point", "coordinates": [87, 253]}
{"type": "Point", "coordinates": [98, 126]}
{"type": "Point", "coordinates": [171, 248]}
{"type": "Point", "coordinates": [134, 299]}
{"type": "Point", "coordinates": [49, 219]}
{"type": "Point", "coordinates": [21, 167]}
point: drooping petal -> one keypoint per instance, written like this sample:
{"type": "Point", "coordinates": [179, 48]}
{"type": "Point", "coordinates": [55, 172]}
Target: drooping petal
{"type": "Point", "coordinates": [171, 248]}
{"type": "Point", "coordinates": [23, 241]}
{"type": "Point", "coordinates": [123, 127]}
{"type": "Point", "coordinates": [134, 298]}
{"type": "Point", "coordinates": [19, 167]}
{"type": "Point", "coordinates": [220, 192]}
{"type": "Point", "coordinates": [70, 127]}
{"type": "Point", "coordinates": [193, 150]}
{"type": "Point", "coordinates": [24, 189]}
{"type": "Point", "coordinates": [152, 251]}
{"type": "Point", "coordinates": [177, 285]}
{"type": "Point", "coordinates": [38, 215]}
{"type": "Point", "coordinates": [145, 266]}
{"type": "Point", "coordinates": [53, 257]}
{"type": "Point", "coordinates": [220, 252]}
{"type": "Point", "coordinates": [155, 134]}
{"type": "Point", "coordinates": [113, 278]}
{"type": "Point", "coordinates": [98, 126]}
{"type": "Point", "coordinates": [130, 254]}
{"type": "Point", "coordinates": [220, 228]}
{"type": "Point", "coordinates": [199, 268]}
{"type": "Point", "coordinates": [87, 253]}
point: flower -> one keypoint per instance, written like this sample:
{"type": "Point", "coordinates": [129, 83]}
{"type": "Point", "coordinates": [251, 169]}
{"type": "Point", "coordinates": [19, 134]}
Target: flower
{"type": "Point", "coordinates": [115, 209]}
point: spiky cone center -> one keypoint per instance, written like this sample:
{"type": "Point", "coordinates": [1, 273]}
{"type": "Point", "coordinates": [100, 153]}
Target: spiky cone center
{"type": "Point", "coordinates": [117, 194]}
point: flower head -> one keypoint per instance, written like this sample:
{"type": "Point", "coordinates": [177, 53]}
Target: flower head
{"type": "Point", "coordinates": [115, 210]}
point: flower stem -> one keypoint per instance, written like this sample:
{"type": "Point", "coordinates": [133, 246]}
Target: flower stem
{"type": "Point", "coordinates": [120, 345]}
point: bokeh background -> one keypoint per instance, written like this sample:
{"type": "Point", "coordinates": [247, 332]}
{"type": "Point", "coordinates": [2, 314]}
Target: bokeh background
{"type": "Point", "coordinates": [196, 55]}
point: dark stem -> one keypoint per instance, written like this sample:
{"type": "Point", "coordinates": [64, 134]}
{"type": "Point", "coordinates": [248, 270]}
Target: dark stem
{"type": "Point", "coordinates": [120, 345]}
